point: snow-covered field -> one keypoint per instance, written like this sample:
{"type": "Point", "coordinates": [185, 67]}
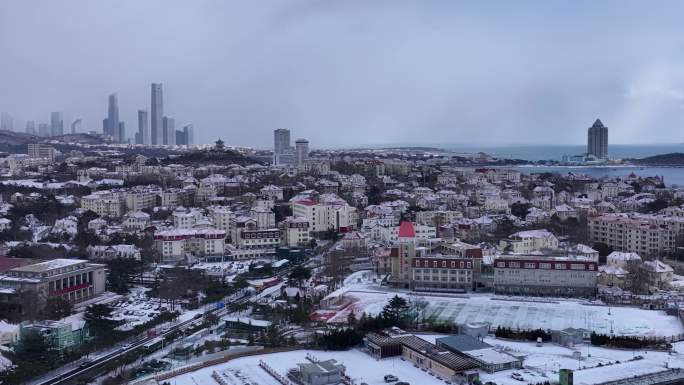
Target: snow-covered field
{"type": "Point", "coordinates": [522, 314]}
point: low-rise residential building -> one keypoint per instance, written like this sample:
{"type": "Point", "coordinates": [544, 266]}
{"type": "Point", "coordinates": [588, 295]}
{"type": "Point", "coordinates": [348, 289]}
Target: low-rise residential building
{"type": "Point", "coordinates": [659, 274]}
{"type": "Point", "coordinates": [525, 242]}
{"type": "Point", "coordinates": [58, 335]}
{"type": "Point", "coordinates": [136, 221]}
{"type": "Point", "coordinates": [107, 252]}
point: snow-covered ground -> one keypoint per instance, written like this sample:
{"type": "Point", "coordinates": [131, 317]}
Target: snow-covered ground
{"type": "Point", "coordinates": [228, 269]}
{"type": "Point", "coordinates": [136, 308]}
{"type": "Point", "coordinates": [541, 364]}
{"type": "Point", "coordinates": [367, 296]}
{"type": "Point", "coordinates": [360, 367]}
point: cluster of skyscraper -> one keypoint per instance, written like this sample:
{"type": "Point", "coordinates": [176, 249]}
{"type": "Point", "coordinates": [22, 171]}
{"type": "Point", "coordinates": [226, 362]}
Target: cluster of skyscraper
{"type": "Point", "coordinates": [284, 153]}
{"type": "Point", "coordinates": [153, 128]}
{"type": "Point", "coordinates": [54, 128]}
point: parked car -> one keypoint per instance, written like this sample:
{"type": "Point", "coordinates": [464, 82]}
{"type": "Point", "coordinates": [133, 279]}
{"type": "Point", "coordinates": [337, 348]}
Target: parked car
{"type": "Point", "coordinates": [517, 376]}
{"type": "Point", "coordinates": [391, 378]}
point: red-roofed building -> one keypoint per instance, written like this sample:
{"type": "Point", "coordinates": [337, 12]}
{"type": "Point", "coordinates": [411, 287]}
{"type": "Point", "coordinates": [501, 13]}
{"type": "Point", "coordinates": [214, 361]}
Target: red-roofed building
{"type": "Point", "coordinates": [406, 230]}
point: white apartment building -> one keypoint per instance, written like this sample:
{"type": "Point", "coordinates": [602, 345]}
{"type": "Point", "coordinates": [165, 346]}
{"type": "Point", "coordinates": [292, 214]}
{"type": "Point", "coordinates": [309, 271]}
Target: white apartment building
{"type": "Point", "coordinates": [247, 235]}
{"type": "Point", "coordinates": [525, 242]}
{"type": "Point", "coordinates": [186, 218]}
{"type": "Point", "coordinates": [104, 203]}
{"type": "Point", "coordinates": [176, 244]}
{"type": "Point", "coordinates": [328, 212]}
{"type": "Point", "coordinates": [645, 235]}
{"type": "Point", "coordinates": [296, 231]}
{"type": "Point", "coordinates": [175, 197]}
{"type": "Point", "coordinates": [273, 192]}
{"type": "Point", "coordinates": [265, 218]}
{"type": "Point", "coordinates": [141, 198]}
{"type": "Point", "coordinates": [390, 235]}
{"type": "Point", "coordinates": [438, 217]}
{"type": "Point", "coordinates": [221, 217]}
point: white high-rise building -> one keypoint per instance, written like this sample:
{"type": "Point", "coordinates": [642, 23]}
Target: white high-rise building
{"type": "Point", "coordinates": [76, 126]}
{"type": "Point", "coordinates": [301, 151]}
{"type": "Point", "coordinates": [143, 135]}
{"type": "Point", "coordinates": [31, 127]}
{"type": "Point", "coordinates": [169, 127]}
{"type": "Point", "coordinates": [56, 124]}
{"type": "Point", "coordinates": [157, 115]}
{"type": "Point", "coordinates": [6, 122]}
{"type": "Point", "coordinates": [110, 125]}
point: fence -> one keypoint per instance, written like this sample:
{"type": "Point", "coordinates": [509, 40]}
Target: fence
{"type": "Point", "coordinates": [280, 378]}
{"type": "Point", "coordinates": [200, 365]}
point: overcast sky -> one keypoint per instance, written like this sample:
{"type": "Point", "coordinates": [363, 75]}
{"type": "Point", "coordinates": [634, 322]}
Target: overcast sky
{"type": "Point", "coordinates": [348, 72]}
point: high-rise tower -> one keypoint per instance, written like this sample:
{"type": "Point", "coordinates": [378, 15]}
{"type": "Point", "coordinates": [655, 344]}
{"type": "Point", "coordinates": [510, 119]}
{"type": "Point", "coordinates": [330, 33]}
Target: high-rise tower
{"type": "Point", "coordinates": [76, 126]}
{"type": "Point", "coordinates": [110, 125]}
{"type": "Point", "coordinates": [301, 151]}
{"type": "Point", "coordinates": [157, 115]}
{"type": "Point", "coordinates": [56, 124]}
{"type": "Point", "coordinates": [281, 143]}
{"type": "Point", "coordinates": [169, 128]}
{"type": "Point", "coordinates": [31, 127]}
{"type": "Point", "coordinates": [597, 140]}
{"type": "Point", "coordinates": [143, 135]}
{"type": "Point", "coordinates": [6, 122]}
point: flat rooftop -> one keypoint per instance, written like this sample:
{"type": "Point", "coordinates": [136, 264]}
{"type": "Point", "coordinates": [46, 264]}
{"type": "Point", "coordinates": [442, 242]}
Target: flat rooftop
{"type": "Point", "coordinates": [50, 265]}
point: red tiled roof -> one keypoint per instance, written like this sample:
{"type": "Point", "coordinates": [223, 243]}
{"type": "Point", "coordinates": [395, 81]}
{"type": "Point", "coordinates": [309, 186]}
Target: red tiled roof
{"type": "Point", "coordinates": [406, 230]}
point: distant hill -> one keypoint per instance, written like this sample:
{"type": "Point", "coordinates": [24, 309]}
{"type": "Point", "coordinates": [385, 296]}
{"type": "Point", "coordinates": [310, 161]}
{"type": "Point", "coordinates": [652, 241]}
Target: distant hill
{"type": "Point", "coordinates": [207, 157]}
{"type": "Point", "coordinates": [81, 138]}
{"type": "Point", "coordinates": [15, 142]}
{"type": "Point", "coordinates": [672, 159]}
{"type": "Point", "coordinates": [17, 138]}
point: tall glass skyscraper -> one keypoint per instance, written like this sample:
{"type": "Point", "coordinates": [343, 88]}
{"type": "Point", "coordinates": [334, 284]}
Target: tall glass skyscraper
{"type": "Point", "coordinates": [281, 143]}
{"type": "Point", "coordinates": [169, 128]}
{"type": "Point", "coordinates": [143, 135]}
{"type": "Point", "coordinates": [157, 115]}
{"type": "Point", "coordinates": [56, 124]}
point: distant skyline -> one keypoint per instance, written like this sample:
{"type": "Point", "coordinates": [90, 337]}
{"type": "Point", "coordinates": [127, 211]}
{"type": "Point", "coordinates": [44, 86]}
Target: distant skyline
{"type": "Point", "coordinates": [354, 73]}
